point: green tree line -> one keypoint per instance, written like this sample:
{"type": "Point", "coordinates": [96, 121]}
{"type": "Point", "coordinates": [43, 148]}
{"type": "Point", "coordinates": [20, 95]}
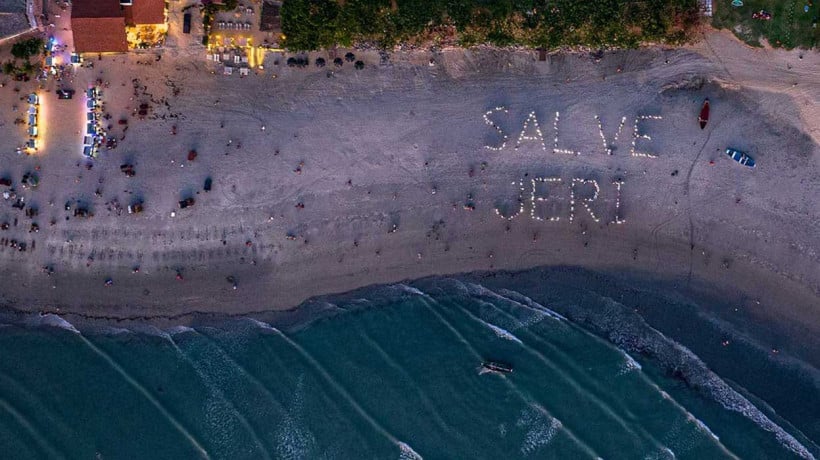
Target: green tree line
{"type": "Point", "coordinates": [315, 24]}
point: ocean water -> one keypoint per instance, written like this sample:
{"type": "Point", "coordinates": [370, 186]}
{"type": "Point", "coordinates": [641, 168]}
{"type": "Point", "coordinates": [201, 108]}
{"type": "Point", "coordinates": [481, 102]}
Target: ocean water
{"type": "Point", "coordinates": [392, 373]}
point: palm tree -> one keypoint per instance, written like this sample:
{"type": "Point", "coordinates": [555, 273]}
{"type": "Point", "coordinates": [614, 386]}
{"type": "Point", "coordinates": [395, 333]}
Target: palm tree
{"type": "Point", "coordinates": [320, 62]}
{"type": "Point", "coordinates": [359, 65]}
{"type": "Point", "coordinates": [350, 57]}
{"type": "Point", "coordinates": [338, 62]}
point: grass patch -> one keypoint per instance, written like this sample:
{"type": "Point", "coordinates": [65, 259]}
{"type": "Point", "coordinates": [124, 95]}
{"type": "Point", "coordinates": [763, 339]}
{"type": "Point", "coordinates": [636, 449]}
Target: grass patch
{"type": "Point", "coordinates": [315, 24]}
{"type": "Point", "coordinates": [790, 27]}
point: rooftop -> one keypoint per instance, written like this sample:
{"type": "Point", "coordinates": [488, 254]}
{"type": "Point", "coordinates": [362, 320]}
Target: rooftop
{"type": "Point", "coordinates": [146, 12]}
{"type": "Point", "coordinates": [96, 9]}
{"type": "Point", "coordinates": [99, 34]}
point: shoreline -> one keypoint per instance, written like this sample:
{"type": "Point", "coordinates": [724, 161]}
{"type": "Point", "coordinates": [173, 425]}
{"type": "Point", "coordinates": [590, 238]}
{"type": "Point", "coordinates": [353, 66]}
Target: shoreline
{"type": "Point", "coordinates": [364, 174]}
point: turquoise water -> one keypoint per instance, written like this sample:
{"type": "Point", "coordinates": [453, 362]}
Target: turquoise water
{"type": "Point", "coordinates": [391, 372]}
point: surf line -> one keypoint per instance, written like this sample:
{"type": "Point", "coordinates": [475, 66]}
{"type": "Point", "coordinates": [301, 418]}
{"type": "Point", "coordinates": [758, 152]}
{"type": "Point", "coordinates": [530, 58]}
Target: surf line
{"type": "Point", "coordinates": [218, 391]}
{"type": "Point", "coordinates": [359, 409]}
{"type": "Point", "coordinates": [137, 386]}
{"type": "Point", "coordinates": [526, 398]}
{"type": "Point", "coordinates": [30, 429]}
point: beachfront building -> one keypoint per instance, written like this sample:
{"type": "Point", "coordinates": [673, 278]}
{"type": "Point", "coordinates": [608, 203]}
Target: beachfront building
{"type": "Point", "coordinates": [98, 26]}
{"type": "Point", "coordinates": [14, 18]}
{"type": "Point", "coordinates": [240, 34]}
{"type": "Point", "coordinates": [115, 26]}
{"type": "Point", "coordinates": [146, 22]}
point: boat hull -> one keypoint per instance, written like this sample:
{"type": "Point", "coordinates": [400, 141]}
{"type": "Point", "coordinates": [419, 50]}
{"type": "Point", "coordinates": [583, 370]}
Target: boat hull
{"type": "Point", "coordinates": [704, 114]}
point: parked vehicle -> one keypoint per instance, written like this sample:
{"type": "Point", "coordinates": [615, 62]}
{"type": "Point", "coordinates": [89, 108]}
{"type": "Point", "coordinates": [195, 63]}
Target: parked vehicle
{"type": "Point", "coordinates": [135, 208]}
{"type": "Point", "coordinates": [65, 93]}
{"type": "Point", "coordinates": [741, 157]}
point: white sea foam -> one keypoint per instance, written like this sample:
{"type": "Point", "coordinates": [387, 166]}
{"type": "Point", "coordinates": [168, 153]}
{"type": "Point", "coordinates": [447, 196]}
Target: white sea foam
{"type": "Point", "coordinates": [148, 329]}
{"type": "Point", "coordinates": [629, 365]}
{"type": "Point", "coordinates": [703, 426]}
{"type": "Point", "coordinates": [541, 429]}
{"type": "Point", "coordinates": [664, 453]}
{"type": "Point", "coordinates": [111, 330]}
{"type": "Point", "coordinates": [410, 289]}
{"type": "Point", "coordinates": [625, 328]}
{"type": "Point", "coordinates": [526, 301]}
{"type": "Point", "coordinates": [180, 330]}
{"type": "Point", "coordinates": [261, 324]}
{"type": "Point", "coordinates": [407, 453]}
{"type": "Point", "coordinates": [293, 438]}
{"type": "Point", "coordinates": [503, 333]}
{"type": "Point", "coordinates": [52, 320]}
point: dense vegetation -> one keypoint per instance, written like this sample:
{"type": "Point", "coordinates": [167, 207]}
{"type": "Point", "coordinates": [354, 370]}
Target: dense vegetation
{"type": "Point", "coordinates": [24, 49]}
{"type": "Point", "coordinates": [27, 48]}
{"type": "Point", "coordinates": [314, 24]}
{"type": "Point", "coordinates": [790, 26]}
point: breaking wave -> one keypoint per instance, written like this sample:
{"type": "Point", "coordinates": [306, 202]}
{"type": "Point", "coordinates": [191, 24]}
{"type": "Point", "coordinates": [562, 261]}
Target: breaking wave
{"type": "Point", "coordinates": [51, 320]}
{"type": "Point", "coordinates": [407, 453]}
{"type": "Point", "coordinates": [627, 329]}
{"type": "Point", "coordinates": [540, 429]}
{"type": "Point", "coordinates": [502, 333]}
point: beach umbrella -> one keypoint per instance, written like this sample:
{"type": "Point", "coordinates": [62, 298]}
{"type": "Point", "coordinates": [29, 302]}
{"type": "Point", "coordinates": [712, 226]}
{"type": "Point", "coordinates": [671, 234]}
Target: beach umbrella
{"type": "Point", "coordinates": [320, 62]}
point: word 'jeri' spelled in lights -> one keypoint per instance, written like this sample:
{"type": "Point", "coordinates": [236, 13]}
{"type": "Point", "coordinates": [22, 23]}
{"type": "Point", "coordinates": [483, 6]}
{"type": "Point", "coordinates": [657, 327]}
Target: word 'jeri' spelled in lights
{"type": "Point", "coordinates": [618, 220]}
{"type": "Point", "coordinates": [534, 199]}
{"type": "Point", "coordinates": [584, 201]}
{"type": "Point", "coordinates": [520, 202]}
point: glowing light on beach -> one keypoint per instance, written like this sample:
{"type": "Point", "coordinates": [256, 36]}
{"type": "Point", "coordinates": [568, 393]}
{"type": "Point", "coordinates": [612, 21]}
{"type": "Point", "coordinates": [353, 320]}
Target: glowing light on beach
{"type": "Point", "coordinates": [35, 130]}
{"type": "Point", "coordinates": [618, 184]}
{"type": "Point", "coordinates": [492, 124]}
{"type": "Point", "coordinates": [584, 201]}
{"type": "Point", "coordinates": [537, 199]}
{"type": "Point", "coordinates": [531, 118]}
{"type": "Point", "coordinates": [607, 148]}
{"type": "Point", "coordinates": [520, 203]}
{"type": "Point", "coordinates": [555, 148]}
{"type": "Point", "coordinates": [636, 135]}
{"type": "Point", "coordinates": [42, 129]}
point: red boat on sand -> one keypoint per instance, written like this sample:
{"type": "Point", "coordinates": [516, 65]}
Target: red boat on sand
{"type": "Point", "coordinates": [704, 114]}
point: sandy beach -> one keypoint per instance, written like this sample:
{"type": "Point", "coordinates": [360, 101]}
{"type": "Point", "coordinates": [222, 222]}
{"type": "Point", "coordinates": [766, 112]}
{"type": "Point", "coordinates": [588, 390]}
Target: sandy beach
{"type": "Point", "coordinates": [485, 160]}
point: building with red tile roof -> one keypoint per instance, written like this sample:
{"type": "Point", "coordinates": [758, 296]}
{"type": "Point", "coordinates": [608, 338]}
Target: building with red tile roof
{"type": "Point", "coordinates": [98, 26]}
{"type": "Point", "coordinates": [145, 12]}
